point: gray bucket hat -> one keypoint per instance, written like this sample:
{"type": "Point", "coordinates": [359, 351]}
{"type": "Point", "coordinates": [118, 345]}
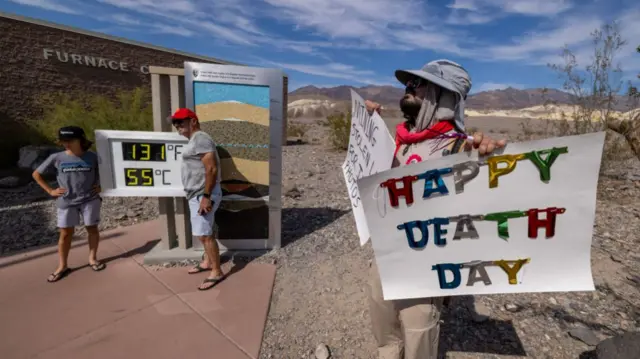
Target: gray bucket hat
{"type": "Point", "coordinates": [446, 74]}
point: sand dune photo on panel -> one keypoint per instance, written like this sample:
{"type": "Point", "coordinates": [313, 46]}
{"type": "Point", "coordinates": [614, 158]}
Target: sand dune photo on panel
{"type": "Point", "coordinates": [237, 118]}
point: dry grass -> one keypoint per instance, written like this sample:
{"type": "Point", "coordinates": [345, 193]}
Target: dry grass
{"type": "Point", "coordinates": [339, 130]}
{"type": "Point", "coordinates": [297, 130]}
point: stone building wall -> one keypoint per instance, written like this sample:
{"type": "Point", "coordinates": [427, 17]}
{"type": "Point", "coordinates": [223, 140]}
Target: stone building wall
{"type": "Point", "coordinates": [36, 59]}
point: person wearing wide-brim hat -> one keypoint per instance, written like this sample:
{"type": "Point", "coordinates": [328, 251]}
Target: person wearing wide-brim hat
{"type": "Point", "coordinates": [433, 105]}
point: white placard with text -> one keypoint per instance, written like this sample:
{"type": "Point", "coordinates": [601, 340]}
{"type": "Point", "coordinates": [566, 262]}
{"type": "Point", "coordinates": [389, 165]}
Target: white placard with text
{"type": "Point", "coordinates": [370, 151]}
{"type": "Point", "coordinates": [502, 224]}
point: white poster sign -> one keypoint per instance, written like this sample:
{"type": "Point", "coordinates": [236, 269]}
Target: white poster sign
{"type": "Point", "coordinates": [370, 151]}
{"type": "Point", "coordinates": [518, 221]}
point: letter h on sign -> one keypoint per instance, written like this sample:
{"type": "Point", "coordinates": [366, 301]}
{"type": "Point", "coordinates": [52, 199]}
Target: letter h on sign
{"type": "Point", "coordinates": [549, 223]}
{"type": "Point", "coordinates": [395, 192]}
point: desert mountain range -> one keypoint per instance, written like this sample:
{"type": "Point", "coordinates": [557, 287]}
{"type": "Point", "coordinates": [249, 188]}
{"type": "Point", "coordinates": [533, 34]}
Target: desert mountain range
{"type": "Point", "coordinates": [312, 101]}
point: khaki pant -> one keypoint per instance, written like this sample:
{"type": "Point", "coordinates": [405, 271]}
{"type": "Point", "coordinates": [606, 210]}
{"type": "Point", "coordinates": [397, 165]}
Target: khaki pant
{"type": "Point", "coordinates": [404, 329]}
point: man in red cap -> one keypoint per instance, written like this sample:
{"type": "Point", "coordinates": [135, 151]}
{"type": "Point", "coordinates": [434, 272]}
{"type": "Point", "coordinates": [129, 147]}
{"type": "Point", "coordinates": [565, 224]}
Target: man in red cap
{"type": "Point", "coordinates": [201, 177]}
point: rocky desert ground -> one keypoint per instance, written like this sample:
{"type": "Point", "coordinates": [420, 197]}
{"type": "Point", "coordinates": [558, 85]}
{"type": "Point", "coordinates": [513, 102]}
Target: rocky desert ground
{"type": "Point", "coordinates": [319, 299]}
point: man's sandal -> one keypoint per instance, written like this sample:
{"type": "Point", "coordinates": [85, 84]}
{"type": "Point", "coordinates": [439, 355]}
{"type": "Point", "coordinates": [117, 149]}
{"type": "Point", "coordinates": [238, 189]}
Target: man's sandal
{"type": "Point", "coordinates": [54, 277]}
{"type": "Point", "coordinates": [97, 267]}
{"type": "Point", "coordinates": [214, 282]}
{"type": "Point", "coordinates": [198, 269]}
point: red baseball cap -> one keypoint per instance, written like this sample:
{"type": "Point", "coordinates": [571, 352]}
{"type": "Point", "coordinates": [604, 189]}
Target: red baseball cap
{"type": "Point", "coordinates": [182, 114]}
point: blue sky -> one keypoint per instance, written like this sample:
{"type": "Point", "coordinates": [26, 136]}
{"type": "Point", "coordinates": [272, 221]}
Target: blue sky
{"type": "Point", "coordinates": [358, 42]}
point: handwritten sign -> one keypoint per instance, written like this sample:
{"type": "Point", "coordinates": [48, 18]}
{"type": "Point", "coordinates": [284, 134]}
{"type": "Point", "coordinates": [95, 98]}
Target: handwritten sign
{"type": "Point", "coordinates": [370, 151]}
{"type": "Point", "coordinates": [519, 221]}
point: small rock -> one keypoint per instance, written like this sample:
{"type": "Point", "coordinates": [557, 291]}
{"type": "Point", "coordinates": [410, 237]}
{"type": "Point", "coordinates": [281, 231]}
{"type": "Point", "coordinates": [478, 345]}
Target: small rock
{"type": "Point", "coordinates": [294, 192]}
{"type": "Point", "coordinates": [121, 217]}
{"type": "Point", "coordinates": [11, 182]}
{"type": "Point", "coordinates": [634, 279]}
{"type": "Point", "coordinates": [274, 261]}
{"type": "Point", "coordinates": [625, 346]}
{"type": "Point", "coordinates": [553, 301]}
{"type": "Point", "coordinates": [480, 312]}
{"type": "Point", "coordinates": [511, 307]}
{"type": "Point", "coordinates": [616, 259]}
{"type": "Point", "coordinates": [131, 214]}
{"type": "Point", "coordinates": [584, 335]}
{"type": "Point", "coordinates": [322, 352]}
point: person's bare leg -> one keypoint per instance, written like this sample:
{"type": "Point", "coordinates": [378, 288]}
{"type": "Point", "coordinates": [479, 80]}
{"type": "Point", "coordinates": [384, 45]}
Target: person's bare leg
{"type": "Point", "coordinates": [205, 263]}
{"type": "Point", "coordinates": [212, 254]}
{"type": "Point", "coordinates": [94, 240]}
{"type": "Point", "coordinates": [64, 246]}
{"type": "Point", "coordinates": [205, 258]}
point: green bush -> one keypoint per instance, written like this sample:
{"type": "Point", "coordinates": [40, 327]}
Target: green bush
{"type": "Point", "coordinates": [127, 110]}
{"type": "Point", "coordinates": [339, 130]}
{"type": "Point", "coordinates": [297, 130]}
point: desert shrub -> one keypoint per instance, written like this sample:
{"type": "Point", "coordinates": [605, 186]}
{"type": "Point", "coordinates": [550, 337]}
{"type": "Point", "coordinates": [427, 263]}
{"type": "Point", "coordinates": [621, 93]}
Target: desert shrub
{"type": "Point", "coordinates": [127, 110]}
{"type": "Point", "coordinates": [339, 130]}
{"type": "Point", "coordinates": [595, 90]}
{"type": "Point", "coordinates": [296, 129]}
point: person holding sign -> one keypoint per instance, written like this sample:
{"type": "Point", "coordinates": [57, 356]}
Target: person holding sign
{"type": "Point", "coordinates": [77, 195]}
{"type": "Point", "coordinates": [433, 106]}
{"type": "Point", "coordinates": [201, 180]}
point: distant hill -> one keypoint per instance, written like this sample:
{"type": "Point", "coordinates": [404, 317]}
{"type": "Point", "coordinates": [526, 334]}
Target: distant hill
{"type": "Point", "coordinates": [315, 101]}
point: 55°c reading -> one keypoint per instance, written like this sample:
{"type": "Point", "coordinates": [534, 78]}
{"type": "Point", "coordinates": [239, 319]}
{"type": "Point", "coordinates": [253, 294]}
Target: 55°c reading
{"type": "Point", "coordinates": [145, 177]}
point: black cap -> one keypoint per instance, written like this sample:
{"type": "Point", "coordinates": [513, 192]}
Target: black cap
{"type": "Point", "coordinates": [70, 133]}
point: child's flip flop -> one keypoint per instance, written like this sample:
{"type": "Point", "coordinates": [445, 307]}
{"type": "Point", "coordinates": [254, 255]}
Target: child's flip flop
{"type": "Point", "coordinates": [97, 267]}
{"type": "Point", "coordinates": [54, 277]}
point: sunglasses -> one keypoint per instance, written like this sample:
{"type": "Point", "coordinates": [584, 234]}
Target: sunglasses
{"type": "Point", "coordinates": [415, 83]}
{"type": "Point", "coordinates": [178, 123]}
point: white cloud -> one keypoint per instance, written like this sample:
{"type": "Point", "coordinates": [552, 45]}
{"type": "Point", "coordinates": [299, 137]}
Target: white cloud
{"type": "Point", "coordinates": [534, 7]}
{"type": "Point", "coordinates": [470, 5]}
{"type": "Point", "coordinates": [338, 71]}
{"type": "Point", "coordinates": [51, 5]}
{"type": "Point", "coordinates": [571, 32]}
{"type": "Point", "coordinates": [362, 24]}
{"type": "Point", "coordinates": [475, 12]}
{"type": "Point", "coordinates": [490, 86]}
{"type": "Point", "coordinates": [521, 7]}
{"type": "Point", "coordinates": [171, 30]}
{"type": "Point", "coordinates": [123, 19]}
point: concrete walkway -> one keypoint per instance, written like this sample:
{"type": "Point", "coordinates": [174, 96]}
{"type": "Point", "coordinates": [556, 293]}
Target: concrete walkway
{"type": "Point", "coordinates": [128, 310]}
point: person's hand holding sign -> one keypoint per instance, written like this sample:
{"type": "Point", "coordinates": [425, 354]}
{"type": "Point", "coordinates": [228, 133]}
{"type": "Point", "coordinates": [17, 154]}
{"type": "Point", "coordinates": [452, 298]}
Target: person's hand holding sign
{"type": "Point", "coordinates": [373, 106]}
{"type": "Point", "coordinates": [484, 144]}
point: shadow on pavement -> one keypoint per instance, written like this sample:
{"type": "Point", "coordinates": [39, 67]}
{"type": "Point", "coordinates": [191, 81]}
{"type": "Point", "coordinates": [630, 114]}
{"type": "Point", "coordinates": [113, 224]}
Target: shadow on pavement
{"type": "Point", "coordinates": [50, 249]}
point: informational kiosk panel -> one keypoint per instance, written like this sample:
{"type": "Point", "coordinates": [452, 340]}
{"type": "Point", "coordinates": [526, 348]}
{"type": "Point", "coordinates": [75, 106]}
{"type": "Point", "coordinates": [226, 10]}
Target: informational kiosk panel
{"type": "Point", "coordinates": [140, 163]}
{"type": "Point", "coordinates": [241, 108]}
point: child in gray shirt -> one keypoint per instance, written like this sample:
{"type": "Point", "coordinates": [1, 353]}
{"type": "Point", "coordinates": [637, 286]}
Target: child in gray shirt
{"type": "Point", "coordinates": [77, 195]}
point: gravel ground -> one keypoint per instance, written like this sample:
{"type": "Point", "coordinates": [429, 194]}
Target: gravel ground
{"type": "Point", "coordinates": [28, 216]}
{"type": "Point", "coordinates": [319, 295]}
